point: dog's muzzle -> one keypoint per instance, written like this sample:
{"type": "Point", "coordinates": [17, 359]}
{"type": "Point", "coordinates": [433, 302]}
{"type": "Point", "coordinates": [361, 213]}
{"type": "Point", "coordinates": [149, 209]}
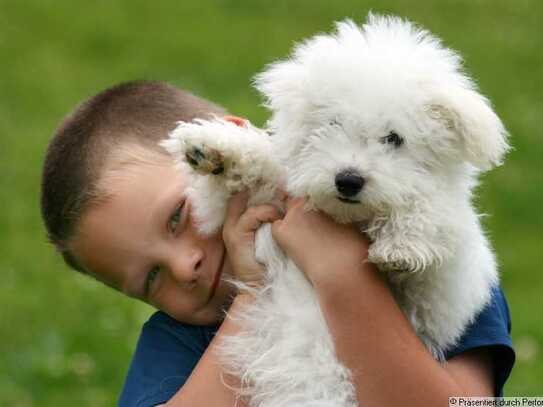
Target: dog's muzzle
{"type": "Point", "coordinates": [348, 184]}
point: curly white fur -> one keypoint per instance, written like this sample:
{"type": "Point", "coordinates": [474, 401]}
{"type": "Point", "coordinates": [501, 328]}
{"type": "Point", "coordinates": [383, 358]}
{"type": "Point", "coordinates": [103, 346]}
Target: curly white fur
{"type": "Point", "coordinates": [385, 103]}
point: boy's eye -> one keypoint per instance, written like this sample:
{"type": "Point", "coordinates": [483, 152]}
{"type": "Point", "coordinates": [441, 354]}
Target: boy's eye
{"type": "Point", "coordinates": [151, 276]}
{"type": "Point", "coordinates": [174, 220]}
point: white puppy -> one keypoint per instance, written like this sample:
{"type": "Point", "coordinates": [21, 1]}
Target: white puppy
{"type": "Point", "coordinates": [377, 125]}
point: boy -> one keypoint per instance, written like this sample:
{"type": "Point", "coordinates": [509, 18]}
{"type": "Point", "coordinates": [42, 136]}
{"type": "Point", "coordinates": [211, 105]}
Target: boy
{"type": "Point", "coordinates": [114, 206]}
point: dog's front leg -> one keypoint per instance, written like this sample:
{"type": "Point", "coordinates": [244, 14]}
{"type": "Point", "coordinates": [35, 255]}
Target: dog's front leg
{"type": "Point", "coordinates": [239, 157]}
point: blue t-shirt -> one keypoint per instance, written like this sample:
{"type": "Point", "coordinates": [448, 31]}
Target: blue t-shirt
{"type": "Point", "coordinates": [168, 351]}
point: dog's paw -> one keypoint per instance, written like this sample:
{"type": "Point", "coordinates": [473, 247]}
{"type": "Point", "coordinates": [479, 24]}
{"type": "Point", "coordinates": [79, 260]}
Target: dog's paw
{"type": "Point", "coordinates": [394, 259]}
{"type": "Point", "coordinates": [236, 157]}
{"type": "Point", "coordinates": [204, 159]}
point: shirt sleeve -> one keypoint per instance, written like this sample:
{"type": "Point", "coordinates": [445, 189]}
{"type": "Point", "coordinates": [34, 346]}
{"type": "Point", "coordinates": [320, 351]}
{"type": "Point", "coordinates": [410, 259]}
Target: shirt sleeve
{"type": "Point", "coordinates": [491, 330]}
{"type": "Point", "coordinates": [166, 353]}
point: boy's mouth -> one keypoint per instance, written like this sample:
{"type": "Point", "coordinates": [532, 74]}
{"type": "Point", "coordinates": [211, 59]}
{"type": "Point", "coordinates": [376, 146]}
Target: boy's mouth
{"type": "Point", "coordinates": [216, 278]}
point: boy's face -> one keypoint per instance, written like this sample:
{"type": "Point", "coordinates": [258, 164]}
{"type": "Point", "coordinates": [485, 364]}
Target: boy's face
{"type": "Point", "coordinates": [143, 242]}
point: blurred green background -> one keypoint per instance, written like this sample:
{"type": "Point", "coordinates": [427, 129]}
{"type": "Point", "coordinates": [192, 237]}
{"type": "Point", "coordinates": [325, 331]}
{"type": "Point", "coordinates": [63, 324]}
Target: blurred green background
{"type": "Point", "coordinates": [65, 339]}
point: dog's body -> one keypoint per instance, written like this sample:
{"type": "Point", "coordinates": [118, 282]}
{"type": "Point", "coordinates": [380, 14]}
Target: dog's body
{"type": "Point", "coordinates": [377, 126]}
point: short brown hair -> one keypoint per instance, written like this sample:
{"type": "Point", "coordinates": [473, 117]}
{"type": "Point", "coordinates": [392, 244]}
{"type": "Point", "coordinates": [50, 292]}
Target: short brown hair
{"type": "Point", "coordinates": [132, 113]}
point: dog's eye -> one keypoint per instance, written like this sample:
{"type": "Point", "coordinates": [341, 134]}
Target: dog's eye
{"type": "Point", "coordinates": [392, 138]}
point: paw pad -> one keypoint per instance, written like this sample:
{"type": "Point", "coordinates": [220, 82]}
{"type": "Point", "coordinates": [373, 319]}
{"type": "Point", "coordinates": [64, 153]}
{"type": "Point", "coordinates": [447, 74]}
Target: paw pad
{"type": "Point", "coordinates": [205, 160]}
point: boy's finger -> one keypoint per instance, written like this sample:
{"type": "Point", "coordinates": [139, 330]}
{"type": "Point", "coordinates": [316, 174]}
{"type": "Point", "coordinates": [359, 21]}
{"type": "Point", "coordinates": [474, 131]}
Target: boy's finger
{"type": "Point", "coordinates": [236, 206]}
{"type": "Point", "coordinates": [281, 195]}
{"type": "Point", "coordinates": [257, 215]}
{"type": "Point", "coordinates": [292, 202]}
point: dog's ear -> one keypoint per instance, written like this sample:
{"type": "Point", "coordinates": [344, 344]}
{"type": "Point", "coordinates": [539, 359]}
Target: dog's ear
{"type": "Point", "coordinates": [482, 136]}
{"type": "Point", "coordinates": [282, 85]}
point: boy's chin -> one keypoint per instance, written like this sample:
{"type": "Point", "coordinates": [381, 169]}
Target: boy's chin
{"type": "Point", "coordinates": [215, 309]}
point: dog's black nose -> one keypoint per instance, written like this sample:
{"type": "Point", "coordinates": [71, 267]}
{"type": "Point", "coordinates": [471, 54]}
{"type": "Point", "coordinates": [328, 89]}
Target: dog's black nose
{"type": "Point", "coordinates": [349, 183]}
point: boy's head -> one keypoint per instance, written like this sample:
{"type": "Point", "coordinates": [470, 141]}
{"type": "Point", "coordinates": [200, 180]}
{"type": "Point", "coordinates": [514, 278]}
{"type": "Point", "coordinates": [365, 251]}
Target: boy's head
{"type": "Point", "coordinates": [107, 187]}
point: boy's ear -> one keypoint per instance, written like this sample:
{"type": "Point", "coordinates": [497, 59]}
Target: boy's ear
{"type": "Point", "coordinates": [238, 121]}
{"type": "Point", "coordinates": [482, 136]}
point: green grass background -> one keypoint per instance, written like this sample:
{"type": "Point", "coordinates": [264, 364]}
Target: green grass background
{"type": "Point", "coordinates": [66, 340]}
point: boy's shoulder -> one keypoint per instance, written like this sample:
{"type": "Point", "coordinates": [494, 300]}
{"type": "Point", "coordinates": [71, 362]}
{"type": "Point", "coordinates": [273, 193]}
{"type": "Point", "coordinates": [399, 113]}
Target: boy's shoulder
{"type": "Point", "coordinates": [491, 327]}
{"type": "Point", "coordinates": [162, 324]}
{"type": "Point", "coordinates": [491, 330]}
{"type": "Point", "coordinates": [166, 353]}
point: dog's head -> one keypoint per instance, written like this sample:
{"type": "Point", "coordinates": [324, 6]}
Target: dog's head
{"type": "Point", "coordinates": [370, 117]}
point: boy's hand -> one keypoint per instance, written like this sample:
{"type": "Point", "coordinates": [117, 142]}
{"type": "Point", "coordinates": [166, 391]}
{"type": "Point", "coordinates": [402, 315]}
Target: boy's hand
{"type": "Point", "coordinates": [320, 247]}
{"type": "Point", "coordinates": [239, 236]}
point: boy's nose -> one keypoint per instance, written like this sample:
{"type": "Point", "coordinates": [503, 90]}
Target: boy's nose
{"type": "Point", "coordinates": [185, 266]}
